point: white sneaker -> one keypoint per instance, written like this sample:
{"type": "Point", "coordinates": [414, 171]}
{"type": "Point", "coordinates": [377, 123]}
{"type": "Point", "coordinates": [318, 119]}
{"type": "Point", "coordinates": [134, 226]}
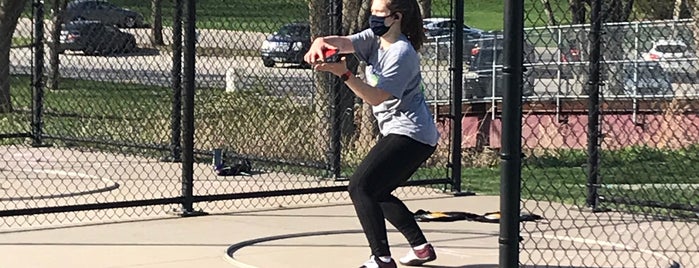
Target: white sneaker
{"type": "Point", "coordinates": [418, 257]}
{"type": "Point", "coordinates": [375, 262]}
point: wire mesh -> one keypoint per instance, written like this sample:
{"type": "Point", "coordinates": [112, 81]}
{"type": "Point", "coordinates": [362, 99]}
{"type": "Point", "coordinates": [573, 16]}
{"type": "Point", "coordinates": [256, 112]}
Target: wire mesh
{"type": "Point", "coordinates": [629, 199]}
{"type": "Point", "coordinates": [103, 128]}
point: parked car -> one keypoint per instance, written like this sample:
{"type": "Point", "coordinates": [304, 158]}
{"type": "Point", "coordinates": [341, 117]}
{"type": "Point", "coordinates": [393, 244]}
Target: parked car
{"type": "Point", "coordinates": [95, 38]}
{"type": "Point", "coordinates": [443, 27]}
{"type": "Point", "coordinates": [640, 79]}
{"type": "Point", "coordinates": [441, 50]}
{"type": "Point", "coordinates": [101, 10]}
{"type": "Point", "coordinates": [570, 54]}
{"type": "Point", "coordinates": [287, 45]}
{"type": "Point", "coordinates": [673, 55]}
{"type": "Point", "coordinates": [486, 68]}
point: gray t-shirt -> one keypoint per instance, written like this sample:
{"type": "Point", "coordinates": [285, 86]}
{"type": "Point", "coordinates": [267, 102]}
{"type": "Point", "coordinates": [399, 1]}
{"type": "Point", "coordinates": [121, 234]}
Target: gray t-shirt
{"type": "Point", "coordinates": [396, 70]}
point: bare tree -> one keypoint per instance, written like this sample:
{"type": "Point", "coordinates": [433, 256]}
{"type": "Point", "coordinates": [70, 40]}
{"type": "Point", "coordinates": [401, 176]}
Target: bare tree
{"type": "Point", "coordinates": [679, 7]}
{"type": "Point", "coordinates": [425, 8]}
{"type": "Point", "coordinates": [320, 26]}
{"type": "Point", "coordinates": [549, 12]}
{"type": "Point", "coordinates": [54, 61]}
{"type": "Point", "coordinates": [616, 11]}
{"type": "Point", "coordinates": [10, 11]}
{"type": "Point", "coordinates": [156, 36]}
{"type": "Point", "coordinates": [360, 123]}
{"type": "Point", "coordinates": [577, 10]}
{"type": "Point", "coordinates": [695, 25]}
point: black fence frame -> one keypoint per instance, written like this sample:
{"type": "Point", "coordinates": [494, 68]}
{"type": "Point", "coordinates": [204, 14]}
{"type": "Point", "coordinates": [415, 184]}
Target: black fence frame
{"type": "Point", "coordinates": [181, 148]}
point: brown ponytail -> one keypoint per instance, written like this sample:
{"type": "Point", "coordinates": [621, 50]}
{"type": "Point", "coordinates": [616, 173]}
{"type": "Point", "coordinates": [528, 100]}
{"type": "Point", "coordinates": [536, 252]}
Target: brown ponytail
{"type": "Point", "coordinates": [411, 24]}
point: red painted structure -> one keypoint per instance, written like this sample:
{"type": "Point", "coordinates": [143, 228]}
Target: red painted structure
{"type": "Point", "coordinates": [660, 123]}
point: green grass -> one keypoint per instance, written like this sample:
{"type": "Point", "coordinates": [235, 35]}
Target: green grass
{"type": "Point", "coordinates": [21, 41]}
{"type": "Point", "coordinates": [267, 16]}
{"type": "Point", "coordinates": [252, 123]}
{"type": "Point", "coordinates": [664, 176]}
{"type": "Point", "coordinates": [257, 16]}
{"type": "Point", "coordinates": [248, 122]}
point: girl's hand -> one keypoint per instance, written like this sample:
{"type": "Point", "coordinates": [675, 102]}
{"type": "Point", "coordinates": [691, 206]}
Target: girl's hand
{"type": "Point", "coordinates": [315, 52]}
{"type": "Point", "coordinates": [336, 68]}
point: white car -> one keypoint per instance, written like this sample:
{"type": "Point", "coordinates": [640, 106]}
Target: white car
{"type": "Point", "coordinates": [673, 55]}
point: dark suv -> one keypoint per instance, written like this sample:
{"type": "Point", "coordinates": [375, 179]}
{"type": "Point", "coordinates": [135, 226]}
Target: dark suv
{"type": "Point", "coordinates": [288, 45]}
{"type": "Point", "coordinates": [101, 10]}
{"type": "Point", "coordinates": [486, 66]}
{"type": "Point", "coordinates": [95, 38]}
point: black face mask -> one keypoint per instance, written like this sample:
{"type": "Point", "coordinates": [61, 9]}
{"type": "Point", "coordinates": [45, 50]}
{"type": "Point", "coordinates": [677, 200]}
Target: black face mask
{"type": "Point", "coordinates": [378, 25]}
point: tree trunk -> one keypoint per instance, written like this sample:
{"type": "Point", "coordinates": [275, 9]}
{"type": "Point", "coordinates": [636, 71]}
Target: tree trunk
{"type": "Point", "coordinates": [549, 12]}
{"type": "Point", "coordinates": [320, 26]}
{"type": "Point", "coordinates": [616, 11]}
{"type": "Point", "coordinates": [355, 16]}
{"type": "Point", "coordinates": [425, 8]}
{"type": "Point", "coordinates": [10, 11]}
{"type": "Point", "coordinates": [577, 10]}
{"type": "Point", "coordinates": [695, 25]}
{"type": "Point", "coordinates": [54, 61]}
{"type": "Point", "coordinates": [356, 124]}
{"type": "Point", "coordinates": [680, 6]}
{"type": "Point", "coordinates": [156, 34]}
{"type": "Point", "coordinates": [613, 49]}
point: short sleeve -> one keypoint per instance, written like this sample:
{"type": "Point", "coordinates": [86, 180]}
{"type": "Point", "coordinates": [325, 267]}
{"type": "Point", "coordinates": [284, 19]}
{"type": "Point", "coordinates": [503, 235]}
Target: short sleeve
{"type": "Point", "coordinates": [365, 43]}
{"type": "Point", "coordinates": [397, 72]}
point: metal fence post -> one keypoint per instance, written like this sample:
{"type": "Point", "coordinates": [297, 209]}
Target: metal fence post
{"type": "Point", "coordinates": [511, 154]}
{"type": "Point", "coordinates": [38, 74]}
{"type": "Point", "coordinates": [456, 91]}
{"type": "Point", "coordinates": [176, 114]}
{"type": "Point", "coordinates": [593, 107]}
{"type": "Point", "coordinates": [336, 106]}
{"type": "Point", "coordinates": [188, 110]}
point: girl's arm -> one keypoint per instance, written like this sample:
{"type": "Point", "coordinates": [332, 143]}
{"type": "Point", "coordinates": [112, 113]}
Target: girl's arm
{"type": "Point", "coordinates": [315, 53]}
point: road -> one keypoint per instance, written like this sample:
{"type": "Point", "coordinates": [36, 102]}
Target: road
{"type": "Point", "coordinates": [151, 67]}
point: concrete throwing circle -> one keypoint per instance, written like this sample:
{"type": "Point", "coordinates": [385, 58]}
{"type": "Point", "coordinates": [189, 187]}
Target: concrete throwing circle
{"type": "Point", "coordinates": [35, 184]}
{"type": "Point", "coordinates": [658, 255]}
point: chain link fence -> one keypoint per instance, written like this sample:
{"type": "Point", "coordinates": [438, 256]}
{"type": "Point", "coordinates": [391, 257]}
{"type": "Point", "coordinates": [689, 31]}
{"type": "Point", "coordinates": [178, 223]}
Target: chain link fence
{"type": "Point", "coordinates": [120, 113]}
{"type": "Point", "coordinates": [609, 134]}
{"type": "Point", "coordinates": [216, 112]}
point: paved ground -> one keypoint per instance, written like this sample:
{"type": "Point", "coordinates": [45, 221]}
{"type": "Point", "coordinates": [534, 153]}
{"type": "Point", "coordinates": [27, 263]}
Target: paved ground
{"type": "Point", "coordinates": [299, 237]}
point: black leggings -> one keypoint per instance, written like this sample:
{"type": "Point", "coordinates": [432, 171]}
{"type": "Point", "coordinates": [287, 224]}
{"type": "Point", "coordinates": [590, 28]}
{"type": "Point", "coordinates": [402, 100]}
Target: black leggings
{"type": "Point", "coordinates": [390, 163]}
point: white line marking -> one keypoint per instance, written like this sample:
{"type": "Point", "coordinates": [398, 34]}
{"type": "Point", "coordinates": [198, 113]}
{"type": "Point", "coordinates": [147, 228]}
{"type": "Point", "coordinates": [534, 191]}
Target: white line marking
{"type": "Point", "coordinates": [111, 185]}
{"type": "Point", "coordinates": [603, 243]}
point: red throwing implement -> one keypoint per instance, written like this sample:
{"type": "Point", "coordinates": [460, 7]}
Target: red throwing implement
{"type": "Point", "coordinates": [331, 55]}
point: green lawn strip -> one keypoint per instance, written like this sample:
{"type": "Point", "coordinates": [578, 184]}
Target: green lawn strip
{"type": "Point", "coordinates": [267, 16]}
{"type": "Point", "coordinates": [656, 199]}
{"type": "Point", "coordinates": [251, 122]}
{"type": "Point", "coordinates": [21, 41]}
{"type": "Point", "coordinates": [243, 122]}
{"type": "Point", "coordinates": [567, 184]}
